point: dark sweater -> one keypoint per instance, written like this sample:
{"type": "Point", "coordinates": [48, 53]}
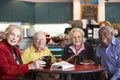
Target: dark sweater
{"type": "Point", "coordinates": [87, 54]}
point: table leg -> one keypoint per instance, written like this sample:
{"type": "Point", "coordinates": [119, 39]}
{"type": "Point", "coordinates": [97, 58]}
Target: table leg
{"type": "Point", "coordinates": [69, 77]}
{"type": "Point", "coordinates": [32, 76]}
{"type": "Point", "coordinates": [62, 76]}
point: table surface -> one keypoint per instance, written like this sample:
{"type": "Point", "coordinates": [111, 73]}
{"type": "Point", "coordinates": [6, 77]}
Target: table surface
{"type": "Point", "coordinates": [77, 69]}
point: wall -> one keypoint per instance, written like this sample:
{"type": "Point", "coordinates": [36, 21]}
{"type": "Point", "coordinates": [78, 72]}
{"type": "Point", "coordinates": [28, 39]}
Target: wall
{"type": "Point", "coordinates": [112, 0]}
{"type": "Point", "coordinates": [77, 9]}
{"type": "Point", "coordinates": [107, 10]}
{"type": "Point", "coordinates": [101, 10]}
{"type": "Point", "coordinates": [22, 11]}
{"type": "Point", "coordinates": [17, 12]}
{"type": "Point", "coordinates": [53, 12]}
{"type": "Point", "coordinates": [112, 12]}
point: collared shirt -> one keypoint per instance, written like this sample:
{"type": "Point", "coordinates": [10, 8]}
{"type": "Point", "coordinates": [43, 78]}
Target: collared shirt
{"type": "Point", "coordinates": [111, 57]}
{"type": "Point", "coordinates": [31, 54]}
{"type": "Point", "coordinates": [74, 50]}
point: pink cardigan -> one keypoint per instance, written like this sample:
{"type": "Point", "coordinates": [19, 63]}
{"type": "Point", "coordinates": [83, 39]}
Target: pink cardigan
{"type": "Point", "coordinates": [8, 66]}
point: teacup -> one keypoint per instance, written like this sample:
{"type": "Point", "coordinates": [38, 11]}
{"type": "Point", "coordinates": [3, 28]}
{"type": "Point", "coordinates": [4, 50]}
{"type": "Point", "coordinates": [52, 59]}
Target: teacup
{"type": "Point", "coordinates": [77, 59]}
{"type": "Point", "coordinates": [47, 59]}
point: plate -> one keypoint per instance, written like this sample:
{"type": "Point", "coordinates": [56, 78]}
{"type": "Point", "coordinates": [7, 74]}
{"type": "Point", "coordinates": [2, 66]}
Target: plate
{"type": "Point", "coordinates": [87, 63]}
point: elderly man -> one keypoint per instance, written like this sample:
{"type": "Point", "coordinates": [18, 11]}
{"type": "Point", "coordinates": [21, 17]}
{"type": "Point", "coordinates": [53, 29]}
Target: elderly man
{"type": "Point", "coordinates": [37, 51]}
{"type": "Point", "coordinates": [109, 51]}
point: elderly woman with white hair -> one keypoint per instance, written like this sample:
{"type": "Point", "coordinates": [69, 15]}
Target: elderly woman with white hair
{"type": "Point", "coordinates": [78, 47]}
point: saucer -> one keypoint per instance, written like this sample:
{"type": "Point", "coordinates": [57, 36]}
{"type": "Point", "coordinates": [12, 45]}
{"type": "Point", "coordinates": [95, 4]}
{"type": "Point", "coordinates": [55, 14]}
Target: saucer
{"type": "Point", "coordinates": [83, 63]}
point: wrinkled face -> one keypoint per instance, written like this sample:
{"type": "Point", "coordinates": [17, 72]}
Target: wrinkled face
{"type": "Point", "coordinates": [13, 37]}
{"type": "Point", "coordinates": [105, 36]}
{"type": "Point", "coordinates": [77, 39]}
{"type": "Point", "coordinates": [40, 41]}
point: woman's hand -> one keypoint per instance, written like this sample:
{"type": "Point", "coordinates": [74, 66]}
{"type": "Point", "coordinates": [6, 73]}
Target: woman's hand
{"type": "Point", "coordinates": [37, 64]}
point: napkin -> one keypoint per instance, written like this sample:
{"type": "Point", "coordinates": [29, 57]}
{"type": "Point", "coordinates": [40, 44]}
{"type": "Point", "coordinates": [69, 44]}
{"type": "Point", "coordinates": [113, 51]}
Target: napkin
{"type": "Point", "coordinates": [61, 65]}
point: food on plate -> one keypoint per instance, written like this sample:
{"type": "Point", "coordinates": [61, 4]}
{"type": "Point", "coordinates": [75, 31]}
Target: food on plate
{"type": "Point", "coordinates": [87, 61]}
{"type": "Point", "coordinates": [59, 59]}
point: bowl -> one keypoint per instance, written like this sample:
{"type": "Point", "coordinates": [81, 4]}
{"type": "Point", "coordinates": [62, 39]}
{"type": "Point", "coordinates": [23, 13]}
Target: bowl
{"type": "Point", "coordinates": [57, 39]}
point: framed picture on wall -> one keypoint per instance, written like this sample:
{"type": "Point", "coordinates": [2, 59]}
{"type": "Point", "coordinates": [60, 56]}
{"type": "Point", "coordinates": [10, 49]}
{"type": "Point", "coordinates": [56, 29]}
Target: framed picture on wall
{"type": "Point", "coordinates": [89, 11]}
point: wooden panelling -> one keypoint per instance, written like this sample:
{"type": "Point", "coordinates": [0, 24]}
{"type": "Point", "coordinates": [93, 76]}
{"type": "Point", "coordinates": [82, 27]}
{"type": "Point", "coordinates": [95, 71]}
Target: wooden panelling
{"type": "Point", "coordinates": [36, 12]}
{"type": "Point", "coordinates": [53, 12]}
{"type": "Point", "coordinates": [112, 12]}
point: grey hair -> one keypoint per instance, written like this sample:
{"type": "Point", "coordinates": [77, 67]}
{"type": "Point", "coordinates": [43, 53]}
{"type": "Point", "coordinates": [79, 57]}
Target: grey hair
{"type": "Point", "coordinates": [39, 32]}
{"type": "Point", "coordinates": [108, 27]}
{"type": "Point", "coordinates": [76, 30]}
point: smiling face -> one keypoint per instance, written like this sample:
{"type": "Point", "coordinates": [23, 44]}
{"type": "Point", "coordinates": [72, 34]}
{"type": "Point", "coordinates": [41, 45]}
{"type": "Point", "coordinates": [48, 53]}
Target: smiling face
{"type": "Point", "coordinates": [105, 36]}
{"type": "Point", "coordinates": [39, 40]}
{"type": "Point", "coordinates": [76, 38]}
{"type": "Point", "coordinates": [13, 36]}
